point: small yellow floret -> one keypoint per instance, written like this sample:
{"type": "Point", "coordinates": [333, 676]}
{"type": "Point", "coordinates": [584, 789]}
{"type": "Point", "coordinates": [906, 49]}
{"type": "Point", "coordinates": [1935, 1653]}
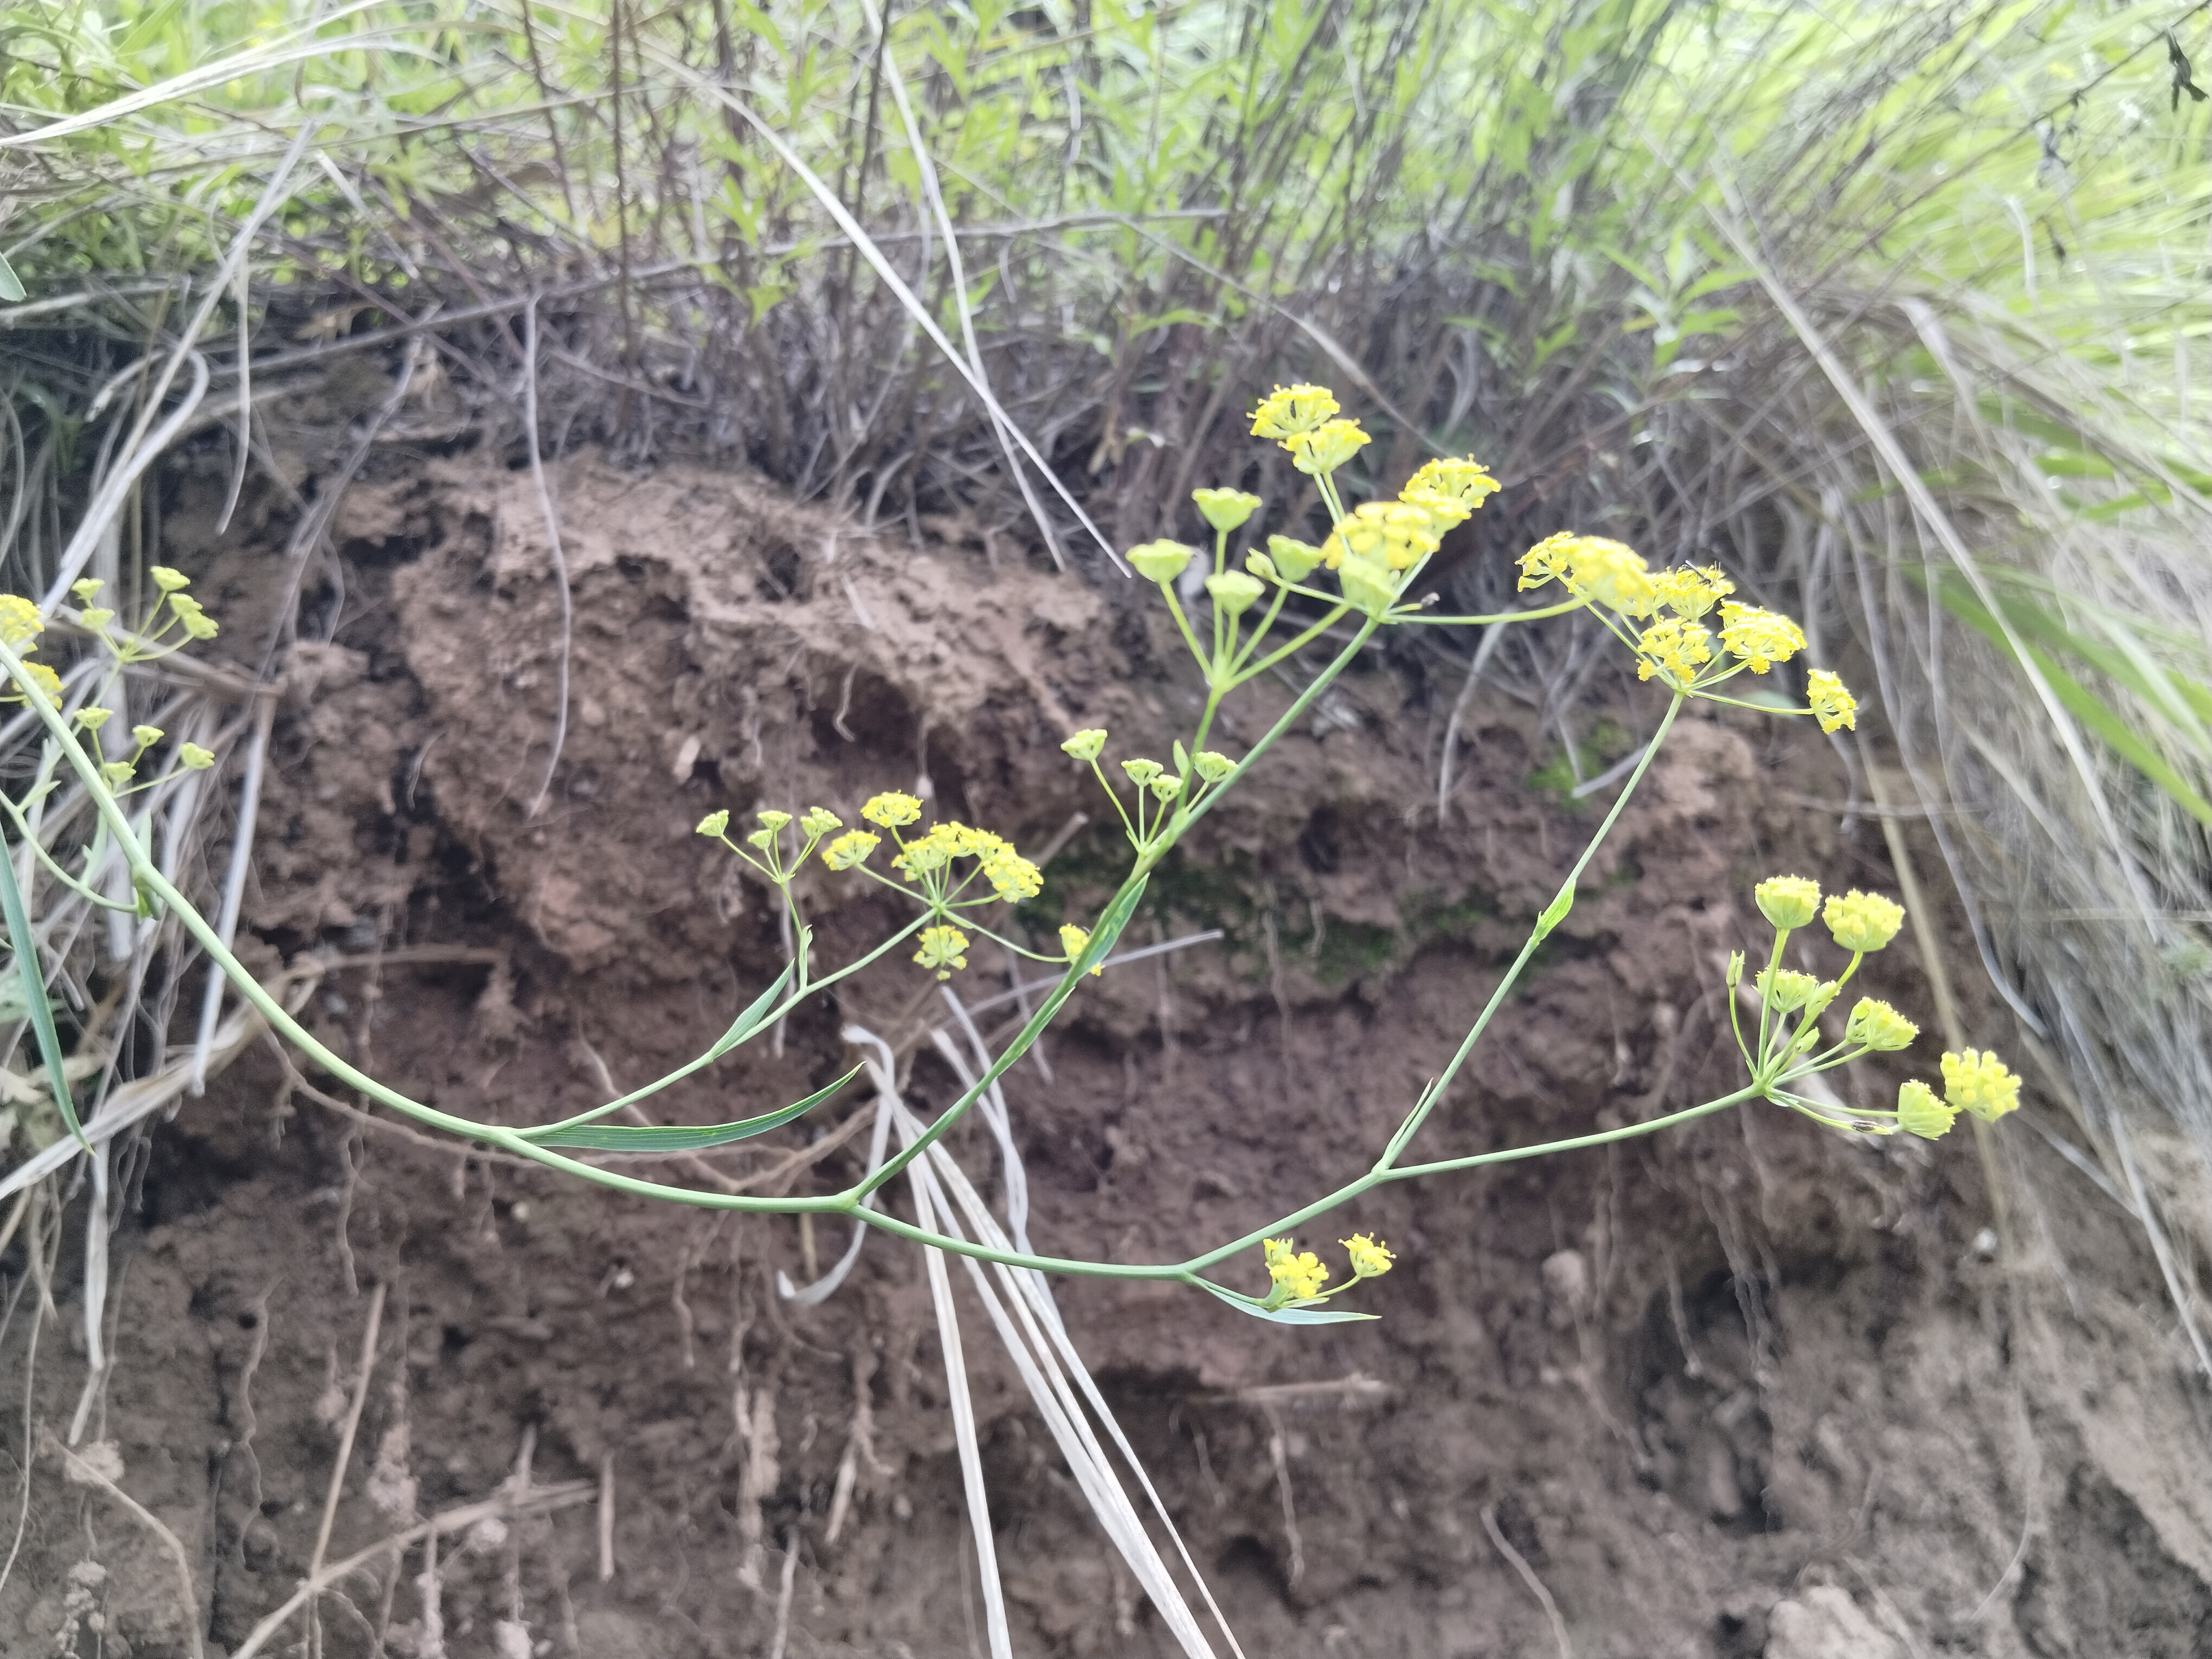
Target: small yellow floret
{"type": "Point", "coordinates": [1675, 649]}
{"type": "Point", "coordinates": [1919, 1112]}
{"type": "Point", "coordinates": [1326, 447]}
{"type": "Point", "coordinates": [48, 682]}
{"type": "Point", "coordinates": [1863, 922]}
{"type": "Point", "coordinates": [942, 949]}
{"type": "Point", "coordinates": [1788, 902]}
{"type": "Point", "coordinates": [1012, 877]}
{"type": "Point", "coordinates": [1073, 939]}
{"type": "Point", "coordinates": [19, 621]}
{"type": "Point", "coordinates": [1876, 1025]}
{"type": "Point", "coordinates": [850, 849]}
{"type": "Point", "coordinates": [1086, 745]}
{"type": "Point", "coordinates": [891, 809]}
{"type": "Point", "coordinates": [169, 580]}
{"type": "Point", "coordinates": [1290, 410]}
{"type": "Point", "coordinates": [1978, 1083]}
{"type": "Point", "coordinates": [1762, 638]}
{"type": "Point", "coordinates": [1300, 1274]}
{"type": "Point", "coordinates": [1835, 707]}
{"type": "Point", "coordinates": [1693, 590]}
{"type": "Point", "coordinates": [1371, 1257]}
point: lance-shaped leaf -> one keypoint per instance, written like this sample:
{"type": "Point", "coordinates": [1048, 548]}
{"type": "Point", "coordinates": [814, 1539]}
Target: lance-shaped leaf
{"type": "Point", "coordinates": [1282, 1315]}
{"type": "Point", "coordinates": [679, 1137]}
{"type": "Point", "coordinates": [743, 1026]}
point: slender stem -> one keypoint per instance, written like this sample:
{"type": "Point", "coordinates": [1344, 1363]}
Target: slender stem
{"type": "Point", "coordinates": [1425, 619]}
{"type": "Point", "coordinates": [1435, 1091]}
{"type": "Point", "coordinates": [1296, 646]}
{"type": "Point", "coordinates": [1175, 608]}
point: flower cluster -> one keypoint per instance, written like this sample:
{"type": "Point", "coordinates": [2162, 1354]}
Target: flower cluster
{"type": "Point", "coordinates": [1296, 1277]}
{"type": "Point", "coordinates": [21, 624]}
{"type": "Point", "coordinates": [1975, 1083]}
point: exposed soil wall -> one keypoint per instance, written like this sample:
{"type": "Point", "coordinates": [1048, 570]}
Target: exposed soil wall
{"type": "Point", "coordinates": [1743, 1389]}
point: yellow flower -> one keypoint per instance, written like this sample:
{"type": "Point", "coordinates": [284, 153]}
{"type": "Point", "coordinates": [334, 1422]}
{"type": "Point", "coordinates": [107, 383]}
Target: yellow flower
{"type": "Point", "coordinates": [1326, 447]}
{"type": "Point", "coordinates": [1675, 649]}
{"type": "Point", "coordinates": [1762, 638]}
{"type": "Point", "coordinates": [773, 820]}
{"type": "Point", "coordinates": [1161, 560]}
{"type": "Point", "coordinates": [1978, 1083]}
{"type": "Point", "coordinates": [891, 809]}
{"type": "Point", "coordinates": [1297, 1274]}
{"type": "Point", "coordinates": [1142, 771]}
{"type": "Point", "coordinates": [1612, 572]}
{"type": "Point", "coordinates": [193, 758]}
{"type": "Point", "coordinates": [169, 580]}
{"type": "Point", "coordinates": [1788, 902]}
{"type": "Point", "coordinates": [1012, 877]}
{"type": "Point", "coordinates": [19, 621]}
{"type": "Point", "coordinates": [1290, 410]}
{"type": "Point", "coordinates": [1919, 1112]}
{"type": "Point", "coordinates": [87, 590]}
{"type": "Point", "coordinates": [1876, 1025]}
{"type": "Point", "coordinates": [93, 719]}
{"type": "Point", "coordinates": [1086, 745]}
{"type": "Point", "coordinates": [1835, 706]}
{"type": "Point", "coordinates": [1073, 939]}
{"type": "Point", "coordinates": [197, 623]}
{"type": "Point", "coordinates": [713, 824]}
{"type": "Point", "coordinates": [1212, 767]}
{"type": "Point", "coordinates": [932, 852]}
{"type": "Point", "coordinates": [850, 849]}
{"type": "Point", "coordinates": [48, 682]}
{"type": "Point", "coordinates": [1233, 592]}
{"type": "Point", "coordinates": [1467, 483]}
{"type": "Point", "coordinates": [1226, 509]}
{"type": "Point", "coordinates": [819, 821]}
{"type": "Point", "coordinates": [1786, 989]}
{"type": "Point", "coordinates": [942, 949]}
{"type": "Point", "coordinates": [1693, 590]}
{"type": "Point", "coordinates": [1548, 560]}
{"type": "Point", "coordinates": [1295, 559]}
{"type": "Point", "coordinates": [1371, 1258]}
{"type": "Point", "coordinates": [1863, 922]}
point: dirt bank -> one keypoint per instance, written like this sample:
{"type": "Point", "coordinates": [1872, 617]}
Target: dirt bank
{"type": "Point", "coordinates": [1737, 1390]}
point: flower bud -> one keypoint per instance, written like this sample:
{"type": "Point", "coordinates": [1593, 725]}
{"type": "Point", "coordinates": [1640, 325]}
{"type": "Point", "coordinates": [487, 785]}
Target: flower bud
{"type": "Point", "coordinates": [1212, 767]}
{"type": "Point", "coordinates": [1788, 902]}
{"type": "Point", "coordinates": [1161, 561]}
{"type": "Point", "coordinates": [145, 736]}
{"type": "Point", "coordinates": [773, 820]}
{"type": "Point", "coordinates": [1226, 509]}
{"type": "Point", "coordinates": [714, 823]}
{"type": "Point", "coordinates": [1878, 1026]}
{"type": "Point", "coordinates": [1261, 566]}
{"type": "Point", "coordinates": [168, 581]}
{"type": "Point", "coordinates": [87, 590]}
{"type": "Point", "coordinates": [1294, 558]}
{"type": "Point", "coordinates": [1142, 771]}
{"type": "Point", "coordinates": [819, 821]}
{"type": "Point", "coordinates": [193, 758]}
{"type": "Point", "coordinates": [1370, 588]}
{"type": "Point", "coordinates": [1919, 1112]}
{"type": "Point", "coordinates": [1167, 786]}
{"type": "Point", "coordinates": [1086, 745]}
{"type": "Point", "coordinates": [93, 719]}
{"type": "Point", "coordinates": [1817, 1003]}
{"type": "Point", "coordinates": [1234, 592]}
{"type": "Point", "coordinates": [116, 774]}
{"type": "Point", "coordinates": [1786, 989]}
{"type": "Point", "coordinates": [1326, 447]}
{"type": "Point", "coordinates": [1734, 969]}
{"type": "Point", "coordinates": [1863, 922]}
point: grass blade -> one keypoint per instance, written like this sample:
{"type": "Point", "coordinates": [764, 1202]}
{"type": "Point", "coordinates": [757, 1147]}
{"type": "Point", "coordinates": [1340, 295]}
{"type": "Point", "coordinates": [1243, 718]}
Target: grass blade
{"type": "Point", "coordinates": [34, 991]}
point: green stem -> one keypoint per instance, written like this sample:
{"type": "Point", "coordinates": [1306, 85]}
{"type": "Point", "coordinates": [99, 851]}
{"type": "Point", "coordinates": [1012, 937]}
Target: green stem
{"type": "Point", "coordinates": [1435, 1091]}
{"type": "Point", "coordinates": [1296, 645]}
{"type": "Point", "coordinates": [1502, 617]}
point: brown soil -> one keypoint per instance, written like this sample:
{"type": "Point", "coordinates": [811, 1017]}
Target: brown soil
{"type": "Point", "coordinates": [1741, 1389]}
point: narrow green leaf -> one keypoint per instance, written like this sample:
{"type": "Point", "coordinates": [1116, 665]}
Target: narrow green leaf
{"type": "Point", "coordinates": [681, 1137]}
{"type": "Point", "coordinates": [34, 992]}
{"type": "Point", "coordinates": [1282, 1315]}
{"type": "Point", "coordinates": [750, 1021]}
{"type": "Point", "coordinates": [1556, 911]}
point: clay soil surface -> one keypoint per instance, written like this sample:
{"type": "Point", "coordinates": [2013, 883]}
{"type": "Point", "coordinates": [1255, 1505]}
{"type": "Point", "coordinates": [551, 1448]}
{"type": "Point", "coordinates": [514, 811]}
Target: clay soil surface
{"type": "Point", "coordinates": [1745, 1389]}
